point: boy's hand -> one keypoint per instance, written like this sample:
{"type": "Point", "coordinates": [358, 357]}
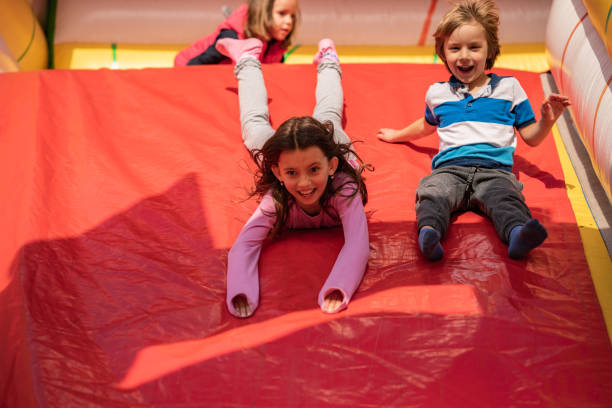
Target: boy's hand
{"type": "Point", "coordinates": [242, 306]}
{"type": "Point", "coordinates": [332, 301]}
{"type": "Point", "coordinates": [415, 130]}
{"type": "Point", "coordinates": [553, 107]}
{"type": "Point", "coordinates": [387, 135]}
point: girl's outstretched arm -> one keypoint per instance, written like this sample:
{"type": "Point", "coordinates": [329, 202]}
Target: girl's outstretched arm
{"type": "Point", "coordinates": [242, 264]}
{"type": "Point", "coordinates": [348, 270]}
{"type": "Point", "coordinates": [551, 109]}
{"type": "Point", "coordinates": [415, 130]}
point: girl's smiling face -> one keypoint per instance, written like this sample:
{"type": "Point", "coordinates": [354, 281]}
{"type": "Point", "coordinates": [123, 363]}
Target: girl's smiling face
{"type": "Point", "coordinates": [283, 18]}
{"type": "Point", "coordinates": [466, 52]}
{"type": "Point", "coordinates": [305, 172]}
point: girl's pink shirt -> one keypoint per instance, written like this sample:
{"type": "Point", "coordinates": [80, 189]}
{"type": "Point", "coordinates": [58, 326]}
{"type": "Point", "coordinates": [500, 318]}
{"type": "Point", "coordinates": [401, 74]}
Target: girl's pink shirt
{"type": "Point", "coordinates": [350, 265]}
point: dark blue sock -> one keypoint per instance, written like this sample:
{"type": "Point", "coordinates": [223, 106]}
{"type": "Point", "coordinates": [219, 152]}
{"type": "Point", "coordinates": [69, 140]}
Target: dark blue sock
{"type": "Point", "coordinates": [429, 244]}
{"type": "Point", "coordinates": [524, 238]}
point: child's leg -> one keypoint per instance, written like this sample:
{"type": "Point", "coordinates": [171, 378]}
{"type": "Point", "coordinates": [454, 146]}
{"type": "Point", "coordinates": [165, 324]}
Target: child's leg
{"type": "Point", "coordinates": [330, 98]}
{"type": "Point", "coordinates": [329, 94]}
{"type": "Point", "coordinates": [497, 193]}
{"type": "Point", "coordinates": [438, 196]}
{"type": "Point", "coordinates": [429, 243]}
{"type": "Point", "coordinates": [253, 99]}
{"type": "Point", "coordinates": [236, 49]}
{"type": "Point", "coordinates": [525, 238]}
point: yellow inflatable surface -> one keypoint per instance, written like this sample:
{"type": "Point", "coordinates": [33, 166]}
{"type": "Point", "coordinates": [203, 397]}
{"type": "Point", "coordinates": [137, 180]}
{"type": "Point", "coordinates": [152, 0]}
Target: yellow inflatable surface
{"type": "Point", "coordinates": [526, 57]}
{"type": "Point", "coordinates": [23, 37]}
{"type": "Point", "coordinates": [599, 13]}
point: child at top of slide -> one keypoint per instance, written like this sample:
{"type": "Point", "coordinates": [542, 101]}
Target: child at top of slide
{"type": "Point", "coordinates": [475, 115]}
{"type": "Point", "coordinates": [308, 177]}
{"type": "Point", "coordinates": [271, 21]}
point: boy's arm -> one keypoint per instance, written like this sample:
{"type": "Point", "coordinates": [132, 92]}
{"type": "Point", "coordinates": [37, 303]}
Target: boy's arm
{"type": "Point", "coordinates": [551, 109]}
{"type": "Point", "coordinates": [415, 130]}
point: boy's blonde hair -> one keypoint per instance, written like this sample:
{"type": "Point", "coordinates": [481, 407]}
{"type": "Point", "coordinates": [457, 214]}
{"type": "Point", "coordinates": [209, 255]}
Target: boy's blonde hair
{"type": "Point", "coordinates": [260, 21]}
{"type": "Point", "coordinates": [484, 12]}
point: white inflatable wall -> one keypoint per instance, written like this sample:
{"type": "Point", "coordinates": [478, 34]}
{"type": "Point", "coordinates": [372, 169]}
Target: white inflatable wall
{"type": "Point", "coordinates": [348, 22]}
{"type": "Point", "coordinates": [582, 69]}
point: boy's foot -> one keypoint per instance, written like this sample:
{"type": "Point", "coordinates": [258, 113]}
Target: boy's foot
{"type": "Point", "coordinates": [327, 50]}
{"type": "Point", "coordinates": [238, 49]}
{"type": "Point", "coordinates": [429, 244]}
{"type": "Point", "coordinates": [525, 238]}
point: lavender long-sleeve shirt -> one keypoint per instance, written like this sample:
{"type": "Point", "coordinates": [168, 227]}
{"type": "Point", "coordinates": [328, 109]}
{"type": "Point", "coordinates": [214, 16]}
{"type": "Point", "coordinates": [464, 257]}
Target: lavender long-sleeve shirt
{"type": "Point", "coordinates": [348, 270]}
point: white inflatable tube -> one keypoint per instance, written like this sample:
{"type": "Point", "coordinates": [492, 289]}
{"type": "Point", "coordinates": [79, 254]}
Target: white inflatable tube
{"type": "Point", "coordinates": [582, 70]}
{"type": "Point", "coordinates": [348, 22]}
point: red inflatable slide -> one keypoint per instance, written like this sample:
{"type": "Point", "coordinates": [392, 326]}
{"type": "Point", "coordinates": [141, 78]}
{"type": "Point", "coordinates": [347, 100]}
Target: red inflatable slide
{"type": "Point", "coordinates": [123, 191]}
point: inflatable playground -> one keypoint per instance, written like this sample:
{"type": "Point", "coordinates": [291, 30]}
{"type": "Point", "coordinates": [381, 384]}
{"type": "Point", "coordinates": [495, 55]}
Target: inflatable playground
{"type": "Point", "coordinates": [125, 184]}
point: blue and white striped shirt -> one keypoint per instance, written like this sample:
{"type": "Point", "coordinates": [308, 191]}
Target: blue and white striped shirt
{"type": "Point", "coordinates": [480, 126]}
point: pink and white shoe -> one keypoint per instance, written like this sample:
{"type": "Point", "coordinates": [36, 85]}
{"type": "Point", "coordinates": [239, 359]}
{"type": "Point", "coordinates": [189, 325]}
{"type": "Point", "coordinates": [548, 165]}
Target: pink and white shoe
{"type": "Point", "coordinates": [239, 49]}
{"type": "Point", "coordinates": [327, 51]}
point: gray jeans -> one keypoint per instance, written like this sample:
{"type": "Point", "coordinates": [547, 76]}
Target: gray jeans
{"type": "Point", "coordinates": [492, 192]}
{"type": "Point", "coordinates": [253, 99]}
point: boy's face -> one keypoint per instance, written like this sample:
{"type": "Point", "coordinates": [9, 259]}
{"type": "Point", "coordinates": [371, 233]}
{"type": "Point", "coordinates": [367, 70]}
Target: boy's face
{"type": "Point", "coordinates": [283, 18]}
{"type": "Point", "coordinates": [466, 53]}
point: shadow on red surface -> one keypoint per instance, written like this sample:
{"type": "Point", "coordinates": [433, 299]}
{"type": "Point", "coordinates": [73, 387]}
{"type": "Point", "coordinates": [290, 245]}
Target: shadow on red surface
{"type": "Point", "coordinates": [132, 312]}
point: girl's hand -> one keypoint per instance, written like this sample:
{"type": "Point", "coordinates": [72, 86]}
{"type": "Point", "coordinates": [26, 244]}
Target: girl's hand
{"type": "Point", "coordinates": [553, 107]}
{"type": "Point", "coordinates": [242, 306]}
{"type": "Point", "coordinates": [387, 135]}
{"type": "Point", "coordinates": [332, 301]}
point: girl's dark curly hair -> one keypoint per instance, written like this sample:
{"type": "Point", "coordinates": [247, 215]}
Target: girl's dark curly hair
{"type": "Point", "coordinates": [301, 133]}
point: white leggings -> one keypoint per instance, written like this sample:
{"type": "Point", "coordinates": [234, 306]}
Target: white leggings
{"type": "Point", "coordinates": [253, 98]}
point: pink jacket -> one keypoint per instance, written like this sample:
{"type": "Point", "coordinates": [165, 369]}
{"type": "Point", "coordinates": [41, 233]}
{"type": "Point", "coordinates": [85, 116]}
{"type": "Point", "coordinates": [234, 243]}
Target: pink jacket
{"type": "Point", "coordinates": [236, 21]}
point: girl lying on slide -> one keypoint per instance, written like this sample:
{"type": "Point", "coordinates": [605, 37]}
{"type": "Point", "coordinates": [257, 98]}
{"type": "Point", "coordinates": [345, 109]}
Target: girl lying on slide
{"type": "Point", "coordinates": [308, 177]}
